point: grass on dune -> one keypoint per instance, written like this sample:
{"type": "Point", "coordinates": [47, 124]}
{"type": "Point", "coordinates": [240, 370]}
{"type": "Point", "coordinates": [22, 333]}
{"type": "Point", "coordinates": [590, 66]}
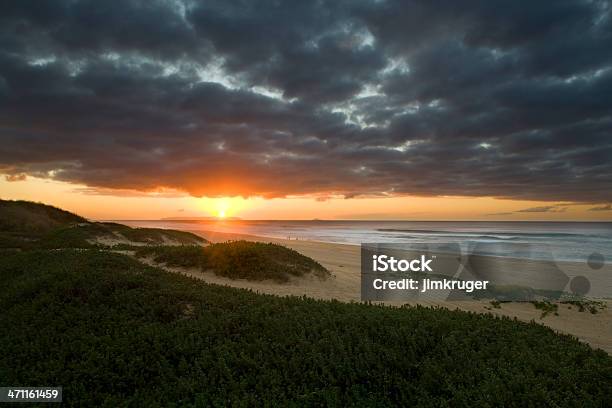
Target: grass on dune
{"type": "Point", "coordinates": [29, 225]}
{"type": "Point", "coordinates": [35, 219]}
{"type": "Point", "coordinates": [114, 332]}
{"type": "Point", "coordinates": [238, 260]}
{"type": "Point", "coordinates": [89, 234]}
{"type": "Point", "coordinates": [154, 236]}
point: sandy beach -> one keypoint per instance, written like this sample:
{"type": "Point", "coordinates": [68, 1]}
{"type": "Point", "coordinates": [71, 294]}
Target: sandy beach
{"type": "Point", "coordinates": [343, 261]}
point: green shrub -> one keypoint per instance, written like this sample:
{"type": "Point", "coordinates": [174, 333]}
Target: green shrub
{"type": "Point", "coordinates": [239, 260]}
{"type": "Point", "coordinates": [546, 308]}
{"type": "Point", "coordinates": [592, 306]}
{"type": "Point", "coordinates": [260, 261]}
{"type": "Point", "coordinates": [496, 304]}
{"type": "Point", "coordinates": [114, 332]}
{"type": "Point", "coordinates": [187, 256]}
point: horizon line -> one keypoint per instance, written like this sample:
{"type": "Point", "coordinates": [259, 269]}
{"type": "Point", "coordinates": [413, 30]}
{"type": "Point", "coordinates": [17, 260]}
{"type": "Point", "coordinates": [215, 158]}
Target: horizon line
{"type": "Point", "coordinates": [346, 220]}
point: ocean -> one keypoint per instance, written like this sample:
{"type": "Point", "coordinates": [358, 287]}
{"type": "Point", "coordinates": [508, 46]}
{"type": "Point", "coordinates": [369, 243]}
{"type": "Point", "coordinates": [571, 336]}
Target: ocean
{"type": "Point", "coordinates": [561, 241]}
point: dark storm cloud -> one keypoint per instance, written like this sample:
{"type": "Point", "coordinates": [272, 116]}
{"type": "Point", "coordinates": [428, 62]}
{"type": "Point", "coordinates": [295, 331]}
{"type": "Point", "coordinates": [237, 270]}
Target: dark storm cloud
{"type": "Point", "coordinates": [354, 98]}
{"type": "Point", "coordinates": [607, 207]}
{"type": "Point", "coordinates": [546, 208]}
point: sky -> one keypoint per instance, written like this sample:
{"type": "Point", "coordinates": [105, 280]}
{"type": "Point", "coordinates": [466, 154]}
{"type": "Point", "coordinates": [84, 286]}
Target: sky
{"type": "Point", "coordinates": [377, 109]}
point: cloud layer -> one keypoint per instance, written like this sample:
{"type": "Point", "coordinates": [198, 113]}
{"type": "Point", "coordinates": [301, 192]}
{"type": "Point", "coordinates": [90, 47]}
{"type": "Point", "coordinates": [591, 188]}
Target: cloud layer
{"type": "Point", "coordinates": [273, 98]}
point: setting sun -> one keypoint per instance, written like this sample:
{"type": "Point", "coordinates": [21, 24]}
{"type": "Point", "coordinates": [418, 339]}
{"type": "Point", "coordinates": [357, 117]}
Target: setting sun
{"type": "Point", "coordinates": [223, 207]}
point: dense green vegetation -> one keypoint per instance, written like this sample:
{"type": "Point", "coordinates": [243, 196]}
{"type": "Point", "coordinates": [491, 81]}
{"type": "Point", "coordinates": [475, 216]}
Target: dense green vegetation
{"type": "Point", "coordinates": [28, 225]}
{"type": "Point", "coordinates": [239, 260]}
{"type": "Point", "coordinates": [114, 332]}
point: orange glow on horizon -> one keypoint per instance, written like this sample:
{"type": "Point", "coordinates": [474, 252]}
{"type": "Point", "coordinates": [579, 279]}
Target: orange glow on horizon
{"type": "Point", "coordinates": [225, 207]}
{"type": "Point", "coordinates": [140, 206]}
